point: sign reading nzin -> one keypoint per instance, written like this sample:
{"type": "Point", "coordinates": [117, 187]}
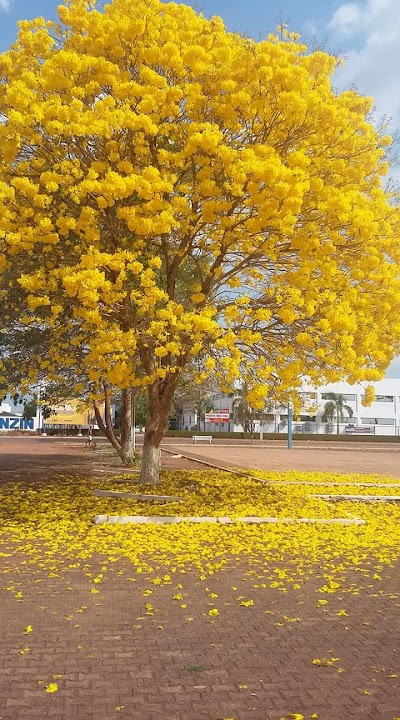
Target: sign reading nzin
{"type": "Point", "coordinates": [16, 423]}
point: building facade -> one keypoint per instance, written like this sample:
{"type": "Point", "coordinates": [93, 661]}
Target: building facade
{"type": "Point", "coordinates": [381, 418]}
{"type": "Point", "coordinates": [11, 415]}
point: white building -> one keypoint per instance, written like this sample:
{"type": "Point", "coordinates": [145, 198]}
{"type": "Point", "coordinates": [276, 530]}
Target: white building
{"type": "Point", "coordinates": [381, 418]}
{"type": "Point", "coordinates": [11, 415]}
{"type": "Point", "coordinates": [8, 404]}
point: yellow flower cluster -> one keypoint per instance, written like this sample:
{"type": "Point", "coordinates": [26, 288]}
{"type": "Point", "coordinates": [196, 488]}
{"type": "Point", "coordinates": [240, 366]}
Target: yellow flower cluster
{"type": "Point", "coordinates": [168, 188]}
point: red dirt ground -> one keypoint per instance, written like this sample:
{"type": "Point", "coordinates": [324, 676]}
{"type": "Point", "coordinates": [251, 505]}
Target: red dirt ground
{"type": "Point", "coordinates": [378, 458]}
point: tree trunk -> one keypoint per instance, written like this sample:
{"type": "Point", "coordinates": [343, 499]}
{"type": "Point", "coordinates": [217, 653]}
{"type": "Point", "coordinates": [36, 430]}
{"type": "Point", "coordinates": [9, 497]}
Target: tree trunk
{"type": "Point", "coordinates": [106, 427]}
{"type": "Point", "coordinates": [126, 451]}
{"type": "Point", "coordinates": [150, 470]}
{"type": "Point", "coordinates": [337, 424]}
{"type": "Point", "coordinates": [160, 396]}
{"type": "Point", "coordinates": [124, 448]}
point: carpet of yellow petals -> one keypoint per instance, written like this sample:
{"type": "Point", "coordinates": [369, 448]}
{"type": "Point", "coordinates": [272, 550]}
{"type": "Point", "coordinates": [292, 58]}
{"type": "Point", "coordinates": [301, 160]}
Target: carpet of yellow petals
{"type": "Point", "coordinates": [295, 582]}
{"type": "Point", "coordinates": [51, 524]}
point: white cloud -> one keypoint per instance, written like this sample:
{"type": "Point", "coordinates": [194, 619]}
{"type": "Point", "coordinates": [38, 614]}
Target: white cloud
{"type": "Point", "coordinates": [361, 16]}
{"type": "Point", "coordinates": [372, 28]}
{"type": "Point", "coordinates": [5, 5]}
{"type": "Point", "coordinates": [347, 19]}
{"type": "Point", "coordinates": [310, 28]}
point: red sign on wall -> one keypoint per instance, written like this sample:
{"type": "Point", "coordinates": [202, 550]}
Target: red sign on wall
{"type": "Point", "coordinates": [217, 416]}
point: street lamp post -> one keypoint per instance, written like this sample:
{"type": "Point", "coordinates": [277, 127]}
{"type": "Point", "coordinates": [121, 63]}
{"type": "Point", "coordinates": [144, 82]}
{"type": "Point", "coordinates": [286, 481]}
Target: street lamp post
{"type": "Point", "coordinates": [289, 428]}
{"type": "Point", "coordinates": [39, 413]}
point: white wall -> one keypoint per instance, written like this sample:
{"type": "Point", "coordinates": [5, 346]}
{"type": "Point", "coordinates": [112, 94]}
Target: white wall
{"type": "Point", "coordinates": [8, 405]}
{"type": "Point", "coordinates": [11, 416]}
{"type": "Point", "coordinates": [379, 410]}
{"type": "Point", "coordinates": [373, 416]}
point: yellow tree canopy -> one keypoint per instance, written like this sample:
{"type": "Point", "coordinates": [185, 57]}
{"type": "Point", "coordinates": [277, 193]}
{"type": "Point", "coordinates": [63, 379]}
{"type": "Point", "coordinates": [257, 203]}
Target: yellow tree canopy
{"type": "Point", "coordinates": [168, 189]}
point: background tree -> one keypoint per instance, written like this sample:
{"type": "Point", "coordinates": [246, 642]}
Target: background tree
{"type": "Point", "coordinates": [336, 408]}
{"type": "Point", "coordinates": [30, 408]}
{"type": "Point", "coordinates": [196, 389]}
{"type": "Point", "coordinates": [246, 415]}
{"type": "Point", "coordinates": [139, 408]}
{"type": "Point", "coordinates": [168, 188]}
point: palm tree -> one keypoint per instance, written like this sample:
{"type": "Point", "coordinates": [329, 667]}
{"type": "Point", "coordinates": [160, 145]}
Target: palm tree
{"type": "Point", "coordinates": [336, 407]}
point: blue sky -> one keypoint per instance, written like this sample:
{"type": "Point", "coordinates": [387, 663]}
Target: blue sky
{"type": "Point", "coordinates": [365, 32]}
{"type": "Point", "coordinates": [253, 17]}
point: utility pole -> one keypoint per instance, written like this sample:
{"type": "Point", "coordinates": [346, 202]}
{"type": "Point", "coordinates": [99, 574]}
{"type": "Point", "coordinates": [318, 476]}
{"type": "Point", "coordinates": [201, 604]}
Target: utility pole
{"type": "Point", "coordinates": [133, 430]}
{"type": "Point", "coordinates": [289, 428]}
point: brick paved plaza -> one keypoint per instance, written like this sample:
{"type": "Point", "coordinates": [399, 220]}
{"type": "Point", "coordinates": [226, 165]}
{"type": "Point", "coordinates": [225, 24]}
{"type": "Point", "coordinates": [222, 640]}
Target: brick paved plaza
{"type": "Point", "coordinates": [125, 653]}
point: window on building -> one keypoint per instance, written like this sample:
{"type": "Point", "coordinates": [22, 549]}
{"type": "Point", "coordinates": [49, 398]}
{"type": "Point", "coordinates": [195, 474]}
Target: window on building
{"type": "Point", "coordinates": [382, 398]}
{"type": "Point", "coordinates": [347, 396]}
{"type": "Point", "coordinates": [377, 421]}
{"type": "Point", "coordinates": [345, 420]}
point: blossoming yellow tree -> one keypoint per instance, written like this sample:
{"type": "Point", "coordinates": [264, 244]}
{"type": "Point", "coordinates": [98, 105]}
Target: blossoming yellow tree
{"type": "Point", "coordinates": [168, 188]}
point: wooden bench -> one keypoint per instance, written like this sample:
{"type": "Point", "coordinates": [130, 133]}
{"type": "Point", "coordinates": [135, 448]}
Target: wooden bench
{"type": "Point", "coordinates": [202, 438]}
{"type": "Point", "coordinates": [359, 430]}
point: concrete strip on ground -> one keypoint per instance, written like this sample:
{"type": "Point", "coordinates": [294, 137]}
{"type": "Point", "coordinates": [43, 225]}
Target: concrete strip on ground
{"type": "Point", "coordinates": [137, 496]}
{"type": "Point", "coordinates": [172, 519]}
{"type": "Point", "coordinates": [120, 471]}
{"type": "Point", "coordinates": [330, 483]}
{"type": "Point", "coordinates": [359, 498]}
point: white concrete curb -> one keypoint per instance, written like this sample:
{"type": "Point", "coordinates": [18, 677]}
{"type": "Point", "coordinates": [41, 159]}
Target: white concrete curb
{"type": "Point", "coordinates": [168, 520]}
{"type": "Point", "coordinates": [360, 498]}
{"type": "Point", "coordinates": [137, 496]}
{"type": "Point", "coordinates": [331, 483]}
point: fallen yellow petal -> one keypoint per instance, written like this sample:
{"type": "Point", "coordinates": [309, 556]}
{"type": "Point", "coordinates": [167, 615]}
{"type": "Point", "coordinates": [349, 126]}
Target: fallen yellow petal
{"type": "Point", "coordinates": [51, 688]}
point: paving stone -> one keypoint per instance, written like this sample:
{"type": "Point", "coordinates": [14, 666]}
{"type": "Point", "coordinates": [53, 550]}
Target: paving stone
{"type": "Point", "coordinates": [145, 671]}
